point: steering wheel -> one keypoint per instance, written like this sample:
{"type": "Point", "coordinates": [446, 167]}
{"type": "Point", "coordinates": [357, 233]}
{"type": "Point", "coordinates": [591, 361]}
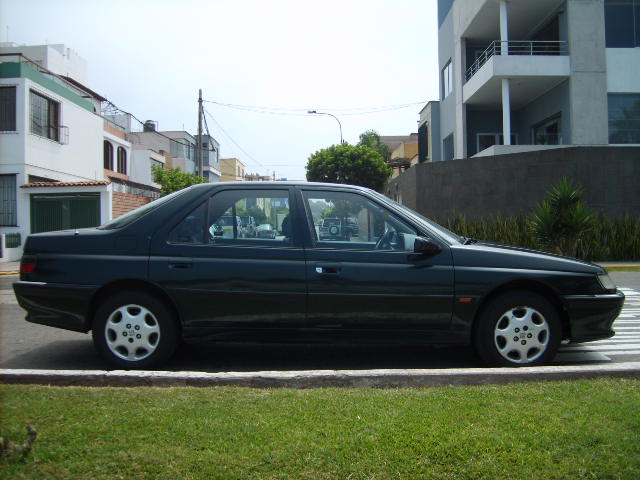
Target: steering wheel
{"type": "Point", "coordinates": [388, 241]}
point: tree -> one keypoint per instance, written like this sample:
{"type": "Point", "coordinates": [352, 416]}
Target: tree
{"type": "Point", "coordinates": [345, 163]}
{"type": "Point", "coordinates": [371, 138]}
{"type": "Point", "coordinates": [174, 179]}
{"type": "Point", "coordinates": [562, 219]}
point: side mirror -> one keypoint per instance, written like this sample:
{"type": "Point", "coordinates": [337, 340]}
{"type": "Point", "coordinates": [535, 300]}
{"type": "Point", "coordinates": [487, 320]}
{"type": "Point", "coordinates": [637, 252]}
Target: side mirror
{"type": "Point", "coordinates": [424, 246]}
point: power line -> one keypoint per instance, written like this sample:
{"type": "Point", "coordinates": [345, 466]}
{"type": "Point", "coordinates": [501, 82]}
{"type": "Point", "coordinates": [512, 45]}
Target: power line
{"type": "Point", "coordinates": [232, 140]}
{"type": "Point", "coordinates": [302, 112]}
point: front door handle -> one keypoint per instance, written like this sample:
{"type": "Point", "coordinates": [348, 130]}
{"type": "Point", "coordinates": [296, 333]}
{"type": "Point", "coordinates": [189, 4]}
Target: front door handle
{"type": "Point", "coordinates": [180, 263]}
{"type": "Point", "coordinates": [327, 270]}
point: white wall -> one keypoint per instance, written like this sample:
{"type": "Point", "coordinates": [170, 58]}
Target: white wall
{"type": "Point", "coordinates": [57, 58]}
{"type": "Point", "coordinates": [623, 70]}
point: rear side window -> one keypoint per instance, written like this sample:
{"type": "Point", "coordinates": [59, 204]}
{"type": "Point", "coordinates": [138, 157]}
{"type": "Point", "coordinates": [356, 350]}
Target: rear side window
{"type": "Point", "coordinates": [191, 228]}
{"type": "Point", "coordinates": [234, 217]}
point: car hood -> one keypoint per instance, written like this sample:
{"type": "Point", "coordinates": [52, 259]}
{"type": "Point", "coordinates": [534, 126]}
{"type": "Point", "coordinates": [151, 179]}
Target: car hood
{"type": "Point", "coordinates": [490, 255]}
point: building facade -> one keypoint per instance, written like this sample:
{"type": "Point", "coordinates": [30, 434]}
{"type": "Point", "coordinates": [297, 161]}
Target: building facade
{"type": "Point", "coordinates": [519, 75]}
{"type": "Point", "coordinates": [233, 170]}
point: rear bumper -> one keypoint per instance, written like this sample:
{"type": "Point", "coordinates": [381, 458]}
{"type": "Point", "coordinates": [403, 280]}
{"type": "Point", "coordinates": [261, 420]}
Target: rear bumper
{"type": "Point", "coordinates": [56, 305]}
{"type": "Point", "coordinates": [591, 316]}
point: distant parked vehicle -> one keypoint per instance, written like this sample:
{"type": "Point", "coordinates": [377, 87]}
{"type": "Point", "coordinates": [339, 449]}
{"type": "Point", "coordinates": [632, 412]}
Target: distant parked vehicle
{"type": "Point", "coordinates": [248, 226]}
{"type": "Point", "coordinates": [265, 231]}
{"type": "Point", "coordinates": [336, 229]}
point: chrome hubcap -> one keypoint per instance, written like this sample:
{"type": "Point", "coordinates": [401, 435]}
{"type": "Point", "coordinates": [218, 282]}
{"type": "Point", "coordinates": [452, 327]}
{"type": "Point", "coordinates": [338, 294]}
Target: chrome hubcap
{"type": "Point", "coordinates": [521, 335]}
{"type": "Point", "coordinates": [132, 332]}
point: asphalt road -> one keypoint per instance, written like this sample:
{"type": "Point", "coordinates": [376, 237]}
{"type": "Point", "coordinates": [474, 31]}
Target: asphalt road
{"type": "Point", "coordinates": [29, 346]}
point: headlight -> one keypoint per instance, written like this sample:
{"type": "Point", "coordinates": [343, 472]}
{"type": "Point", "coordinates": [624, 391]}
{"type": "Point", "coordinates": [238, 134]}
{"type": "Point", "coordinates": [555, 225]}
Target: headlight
{"type": "Point", "coordinates": [606, 282]}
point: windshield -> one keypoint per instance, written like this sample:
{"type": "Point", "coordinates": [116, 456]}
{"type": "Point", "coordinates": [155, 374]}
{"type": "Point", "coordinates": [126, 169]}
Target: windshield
{"type": "Point", "coordinates": [127, 218]}
{"type": "Point", "coordinates": [445, 234]}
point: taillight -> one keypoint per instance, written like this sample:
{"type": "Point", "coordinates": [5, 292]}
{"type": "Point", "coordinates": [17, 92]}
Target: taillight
{"type": "Point", "coordinates": [27, 265]}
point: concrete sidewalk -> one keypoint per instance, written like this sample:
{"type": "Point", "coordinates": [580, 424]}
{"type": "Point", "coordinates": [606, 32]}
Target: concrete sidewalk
{"type": "Point", "coordinates": [381, 378]}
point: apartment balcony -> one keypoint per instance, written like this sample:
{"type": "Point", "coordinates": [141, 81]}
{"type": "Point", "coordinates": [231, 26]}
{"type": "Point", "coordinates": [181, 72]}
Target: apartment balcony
{"type": "Point", "coordinates": [533, 67]}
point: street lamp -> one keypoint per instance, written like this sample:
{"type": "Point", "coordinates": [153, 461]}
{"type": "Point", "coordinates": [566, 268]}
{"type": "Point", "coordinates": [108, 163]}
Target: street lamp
{"type": "Point", "coordinates": [313, 112]}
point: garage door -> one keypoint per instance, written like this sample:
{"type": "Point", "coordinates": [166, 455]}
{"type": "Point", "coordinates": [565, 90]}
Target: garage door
{"type": "Point", "coordinates": [65, 211]}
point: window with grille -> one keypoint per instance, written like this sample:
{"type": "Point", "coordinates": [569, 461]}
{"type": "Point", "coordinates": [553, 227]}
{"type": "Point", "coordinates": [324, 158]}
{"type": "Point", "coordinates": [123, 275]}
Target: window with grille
{"type": "Point", "coordinates": [8, 209]}
{"type": "Point", "coordinates": [45, 116]}
{"type": "Point", "coordinates": [7, 109]}
{"type": "Point", "coordinates": [122, 160]}
{"type": "Point", "coordinates": [108, 155]}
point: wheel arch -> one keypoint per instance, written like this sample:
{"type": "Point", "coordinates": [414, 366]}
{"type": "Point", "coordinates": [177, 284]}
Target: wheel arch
{"type": "Point", "coordinates": [529, 286]}
{"type": "Point", "coordinates": [118, 286]}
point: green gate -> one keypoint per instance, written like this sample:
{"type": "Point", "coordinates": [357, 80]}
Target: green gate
{"type": "Point", "coordinates": [64, 211]}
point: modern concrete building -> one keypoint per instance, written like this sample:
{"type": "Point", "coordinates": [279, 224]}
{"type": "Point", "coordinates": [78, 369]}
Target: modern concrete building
{"type": "Point", "coordinates": [210, 158]}
{"type": "Point", "coordinates": [522, 75]}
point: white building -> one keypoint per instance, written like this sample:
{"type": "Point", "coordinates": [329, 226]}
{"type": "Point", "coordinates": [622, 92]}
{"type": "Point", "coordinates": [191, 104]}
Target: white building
{"type": "Point", "coordinates": [522, 75]}
{"type": "Point", "coordinates": [51, 173]}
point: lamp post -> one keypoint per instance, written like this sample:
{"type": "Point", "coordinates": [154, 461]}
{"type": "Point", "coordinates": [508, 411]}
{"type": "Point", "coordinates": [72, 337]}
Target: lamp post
{"type": "Point", "coordinates": [313, 112]}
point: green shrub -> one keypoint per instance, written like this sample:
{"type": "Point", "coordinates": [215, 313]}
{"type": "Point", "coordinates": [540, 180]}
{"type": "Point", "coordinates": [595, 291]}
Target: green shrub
{"type": "Point", "coordinates": [612, 240]}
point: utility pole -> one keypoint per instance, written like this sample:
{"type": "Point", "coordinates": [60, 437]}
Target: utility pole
{"type": "Point", "coordinates": [200, 112]}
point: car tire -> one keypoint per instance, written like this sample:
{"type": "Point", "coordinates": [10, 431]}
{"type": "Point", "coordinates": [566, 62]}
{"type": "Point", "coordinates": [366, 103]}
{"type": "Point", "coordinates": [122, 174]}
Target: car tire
{"type": "Point", "coordinates": [518, 329]}
{"type": "Point", "coordinates": [134, 330]}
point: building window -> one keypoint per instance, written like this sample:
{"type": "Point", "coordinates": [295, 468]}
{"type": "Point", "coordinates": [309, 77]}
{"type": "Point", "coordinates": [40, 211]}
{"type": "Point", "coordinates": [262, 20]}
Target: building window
{"type": "Point", "coordinates": [548, 132]}
{"type": "Point", "coordinates": [8, 210]}
{"type": "Point", "coordinates": [624, 117]}
{"type": "Point", "coordinates": [447, 147]}
{"type": "Point", "coordinates": [7, 109]}
{"type": "Point", "coordinates": [447, 80]}
{"type": "Point", "coordinates": [122, 160]}
{"type": "Point", "coordinates": [486, 140]}
{"type": "Point", "coordinates": [45, 117]}
{"type": "Point", "coordinates": [108, 155]}
{"type": "Point", "coordinates": [622, 23]}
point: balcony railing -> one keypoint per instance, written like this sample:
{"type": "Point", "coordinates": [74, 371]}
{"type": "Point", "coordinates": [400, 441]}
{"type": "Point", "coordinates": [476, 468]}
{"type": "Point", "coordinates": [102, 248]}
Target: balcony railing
{"type": "Point", "coordinates": [517, 47]}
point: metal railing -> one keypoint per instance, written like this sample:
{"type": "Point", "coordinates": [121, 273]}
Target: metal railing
{"type": "Point", "coordinates": [517, 47]}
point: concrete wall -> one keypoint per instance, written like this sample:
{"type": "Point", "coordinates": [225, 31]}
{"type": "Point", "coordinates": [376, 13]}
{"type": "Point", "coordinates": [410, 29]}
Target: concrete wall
{"type": "Point", "coordinates": [588, 81]}
{"type": "Point", "coordinates": [513, 184]}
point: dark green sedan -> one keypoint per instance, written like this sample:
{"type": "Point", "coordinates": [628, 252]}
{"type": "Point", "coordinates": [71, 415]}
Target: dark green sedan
{"type": "Point", "coordinates": [164, 273]}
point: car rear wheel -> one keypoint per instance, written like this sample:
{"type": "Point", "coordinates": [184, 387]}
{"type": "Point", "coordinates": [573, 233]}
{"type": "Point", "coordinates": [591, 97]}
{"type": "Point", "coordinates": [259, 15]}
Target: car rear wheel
{"type": "Point", "coordinates": [134, 330]}
{"type": "Point", "coordinates": [518, 329]}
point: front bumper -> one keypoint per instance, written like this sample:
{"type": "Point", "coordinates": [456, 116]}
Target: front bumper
{"type": "Point", "coordinates": [56, 305]}
{"type": "Point", "coordinates": [591, 316]}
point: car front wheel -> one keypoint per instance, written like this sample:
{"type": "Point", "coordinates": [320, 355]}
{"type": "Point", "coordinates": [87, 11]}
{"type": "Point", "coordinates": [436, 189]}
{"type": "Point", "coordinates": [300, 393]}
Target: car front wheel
{"type": "Point", "coordinates": [134, 330]}
{"type": "Point", "coordinates": [518, 329]}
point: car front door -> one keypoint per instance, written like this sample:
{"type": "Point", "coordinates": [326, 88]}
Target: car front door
{"type": "Point", "coordinates": [372, 279]}
{"type": "Point", "coordinates": [221, 279]}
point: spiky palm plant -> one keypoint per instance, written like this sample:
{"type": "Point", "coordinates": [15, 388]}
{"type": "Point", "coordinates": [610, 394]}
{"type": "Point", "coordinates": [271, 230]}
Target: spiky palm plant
{"type": "Point", "coordinates": [562, 219]}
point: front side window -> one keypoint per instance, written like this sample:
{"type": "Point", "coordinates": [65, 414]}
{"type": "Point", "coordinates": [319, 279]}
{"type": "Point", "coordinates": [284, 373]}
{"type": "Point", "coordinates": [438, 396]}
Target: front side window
{"type": "Point", "coordinates": [351, 221]}
{"type": "Point", "coordinates": [191, 228]}
{"type": "Point", "coordinates": [45, 116]}
{"type": "Point", "coordinates": [250, 217]}
{"type": "Point", "coordinates": [7, 109]}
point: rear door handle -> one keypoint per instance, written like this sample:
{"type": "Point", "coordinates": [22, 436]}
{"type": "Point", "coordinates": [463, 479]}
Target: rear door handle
{"type": "Point", "coordinates": [180, 263]}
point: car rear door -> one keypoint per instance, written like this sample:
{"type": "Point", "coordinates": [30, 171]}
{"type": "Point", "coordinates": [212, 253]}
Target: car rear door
{"type": "Point", "coordinates": [219, 279]}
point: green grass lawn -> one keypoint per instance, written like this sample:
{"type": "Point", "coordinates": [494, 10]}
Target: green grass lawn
{"type": "Point", "coordinates": [549, 430]}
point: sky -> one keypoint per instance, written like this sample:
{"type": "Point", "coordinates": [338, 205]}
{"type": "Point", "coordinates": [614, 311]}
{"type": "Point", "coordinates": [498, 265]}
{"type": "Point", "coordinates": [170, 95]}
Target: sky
{"type": "Point", "coordinates": [350, 58]}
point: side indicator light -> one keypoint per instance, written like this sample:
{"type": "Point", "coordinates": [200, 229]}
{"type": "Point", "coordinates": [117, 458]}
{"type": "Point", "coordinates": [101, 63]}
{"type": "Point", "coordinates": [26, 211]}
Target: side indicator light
{"type": "Point", "coordinates": [465, 300]}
